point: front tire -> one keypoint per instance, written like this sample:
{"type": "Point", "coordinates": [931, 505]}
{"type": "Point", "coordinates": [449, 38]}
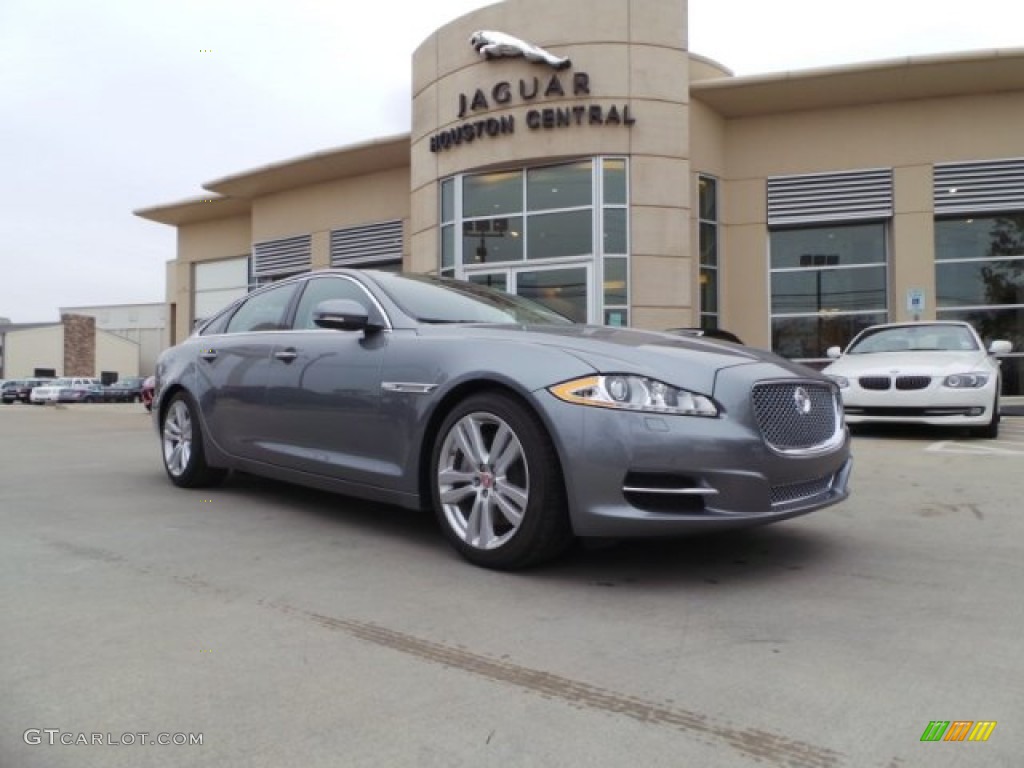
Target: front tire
{"type": "Point", "coordinates": [181, 442]}
{"type": "Point", "coordinates": [990, 430]}
{"type": "Point", "coordinates": [497, 485]}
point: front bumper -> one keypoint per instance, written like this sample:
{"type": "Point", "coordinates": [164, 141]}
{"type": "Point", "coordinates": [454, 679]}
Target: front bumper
{"type": "Point", "coordinates": [936, 405]}
{"type": "Point", "coordinates": [633, 474]}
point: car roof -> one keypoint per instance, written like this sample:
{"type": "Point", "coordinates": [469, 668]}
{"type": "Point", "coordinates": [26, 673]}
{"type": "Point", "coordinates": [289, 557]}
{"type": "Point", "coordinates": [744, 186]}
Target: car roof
{"type": "Point", "coordinates": [918, 323]}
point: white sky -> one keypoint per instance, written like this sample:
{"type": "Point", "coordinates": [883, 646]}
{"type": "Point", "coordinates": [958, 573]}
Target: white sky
{"type": "Point", "coordinates": [110, 105]}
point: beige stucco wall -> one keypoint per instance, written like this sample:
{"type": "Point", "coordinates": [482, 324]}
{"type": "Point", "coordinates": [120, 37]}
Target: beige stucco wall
{"type": "Point", "coordinates": [32, 348]}
{"type": "Point", "coordinates": [633, 53]}
{"type": "Point", "coordinates": [909, 137]}
{"type": "Point", "coordinates": [116, 354]}
{"type": "Point", "coordinates": [202, 241]}
{"type": "Point", "coordinates": [319, 208]}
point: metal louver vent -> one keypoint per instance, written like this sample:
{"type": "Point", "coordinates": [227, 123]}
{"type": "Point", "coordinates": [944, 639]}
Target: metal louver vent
{"type": "Point", "coordinates": [830, 197]}
{"type": "Point", "coordinates": [287, 256]}
{"type": "Point", "coordinates": [997, 185]}
{"type": "Point", "coordinates": [379, 243]}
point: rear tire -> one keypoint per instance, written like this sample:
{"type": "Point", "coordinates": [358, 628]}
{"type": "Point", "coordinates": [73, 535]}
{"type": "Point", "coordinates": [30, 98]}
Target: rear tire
{"type": "Point", "coordinates": [497, 485]}
{"type": "Point", "coordinates": [181, 442]}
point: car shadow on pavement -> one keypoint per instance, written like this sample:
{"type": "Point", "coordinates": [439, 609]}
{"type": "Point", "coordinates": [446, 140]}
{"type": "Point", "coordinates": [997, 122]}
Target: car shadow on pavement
{"type": "Point", "coordinates": [388, 519]}
{"type": "Point", "coordinates": [757, 554]}
{"type": "Point", "coordinates": [923, 432]}
{"type": "Point", "coordinates": [760, 553]}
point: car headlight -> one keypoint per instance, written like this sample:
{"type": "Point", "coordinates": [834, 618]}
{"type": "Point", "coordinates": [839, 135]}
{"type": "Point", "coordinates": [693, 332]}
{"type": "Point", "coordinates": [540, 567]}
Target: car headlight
{"type": "Point", "coordinates": [973, 380]}
{"type": "Point", "coordinates": [841, 381]}
{"type": "Point", "coordinates": [633, 393]}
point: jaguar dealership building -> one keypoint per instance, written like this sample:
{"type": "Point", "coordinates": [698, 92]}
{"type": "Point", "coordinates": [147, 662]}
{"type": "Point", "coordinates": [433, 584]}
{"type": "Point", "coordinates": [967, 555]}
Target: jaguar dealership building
{"type": "Point", "coordinates": [578, 153]}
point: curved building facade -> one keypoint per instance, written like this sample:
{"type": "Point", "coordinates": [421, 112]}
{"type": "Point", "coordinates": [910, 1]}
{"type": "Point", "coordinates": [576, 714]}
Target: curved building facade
{"type": "Point", "coordinates": [561, 175]}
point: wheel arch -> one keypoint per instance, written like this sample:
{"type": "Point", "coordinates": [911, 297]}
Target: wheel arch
{"type": "Point", "coordinates": [214, 455]}
{"type": "Point", "coordinates": [448, 402]}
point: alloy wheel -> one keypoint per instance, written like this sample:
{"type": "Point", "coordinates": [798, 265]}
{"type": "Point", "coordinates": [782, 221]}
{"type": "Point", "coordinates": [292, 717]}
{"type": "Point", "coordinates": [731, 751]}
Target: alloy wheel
{"type": "Point", "coordinates": [483, 480]}
{"type": "Point", "coordinates": [177, 438]}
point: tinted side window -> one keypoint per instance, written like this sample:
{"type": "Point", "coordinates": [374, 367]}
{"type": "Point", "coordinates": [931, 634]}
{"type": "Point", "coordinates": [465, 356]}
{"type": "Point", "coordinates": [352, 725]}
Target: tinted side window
{"type": "Point", "coordinates": [326, 288]}
{"type": "Point", "coordinates": [262, 312]}
{"type": "Point", "coordinates": [218, 324]}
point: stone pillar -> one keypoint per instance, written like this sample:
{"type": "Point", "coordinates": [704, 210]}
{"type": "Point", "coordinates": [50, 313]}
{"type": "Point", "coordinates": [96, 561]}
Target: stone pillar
{"type": "Point", "coordinates": [79, 345]}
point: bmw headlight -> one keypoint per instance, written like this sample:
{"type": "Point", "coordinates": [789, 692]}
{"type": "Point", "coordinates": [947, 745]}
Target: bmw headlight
{"type": "Point", "coordinates": [841, 381]}
{"type": "Point", "coordinates": [633, 393]}
{"type": "Point", "coordinates": [974, 380]}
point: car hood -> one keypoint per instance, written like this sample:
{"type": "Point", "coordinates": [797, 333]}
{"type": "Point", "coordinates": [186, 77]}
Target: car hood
{"type": "Point", "coordinates": [691, 362]}
{"type": "Point", "coordinates": [933, 363]}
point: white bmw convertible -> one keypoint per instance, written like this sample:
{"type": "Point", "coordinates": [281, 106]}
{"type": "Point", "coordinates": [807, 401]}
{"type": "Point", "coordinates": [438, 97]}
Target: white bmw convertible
{"type": "Point", "coordinates": [925, 373]}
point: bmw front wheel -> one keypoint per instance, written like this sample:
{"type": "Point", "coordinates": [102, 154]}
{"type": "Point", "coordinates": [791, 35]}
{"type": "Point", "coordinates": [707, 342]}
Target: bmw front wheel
{"type": "Point", "coordinates": [990, 430]}
{"type": "Point", "coordinates": [181, 442]}
{"type": "Point", "coordinates": [497, 486]}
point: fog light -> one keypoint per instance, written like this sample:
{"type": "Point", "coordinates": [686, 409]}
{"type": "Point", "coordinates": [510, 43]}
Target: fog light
{"type": "Point", "coordinates": [975, 411]}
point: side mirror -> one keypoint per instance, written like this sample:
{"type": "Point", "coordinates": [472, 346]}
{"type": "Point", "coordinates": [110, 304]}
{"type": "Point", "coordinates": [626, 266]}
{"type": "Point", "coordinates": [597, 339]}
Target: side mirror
{"type": "Point", "coordinates": [344, 315]}
{"type": "Point", "coordinates": [833, 352]}
{"type": "Point", "coordinates": [1001, 347]}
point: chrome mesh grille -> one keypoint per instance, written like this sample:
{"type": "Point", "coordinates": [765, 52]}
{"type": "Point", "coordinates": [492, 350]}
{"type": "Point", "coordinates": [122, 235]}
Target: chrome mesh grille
{"type": "Point", "coordinates": [913, 382]}
{"type": "Point", "coordinates": [787, 494]}
{"type": "Point", "coordinates": [782, 423]}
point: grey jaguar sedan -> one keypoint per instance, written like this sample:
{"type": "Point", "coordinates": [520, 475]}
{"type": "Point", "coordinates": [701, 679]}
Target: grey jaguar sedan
{"type": "Point", "coordinates": [520, 429]}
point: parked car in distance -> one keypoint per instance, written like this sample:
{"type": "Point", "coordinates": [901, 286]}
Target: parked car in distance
{"type": "Point", "coordinates": [82, 393]}
{"type": "Point", "coordinates": [520, 429]}
{"type": "Point", "coordinates": [68, 389]}
{"type": "Point", "coordinates": [925, 373]}
{"type": "Point", "coordinates": [148, 391]}
{"type": "Point", "coordinates": [708, 333]}
{"type": "Point", "coordinates": [9, 391]}
{"type": "Point", "coordinates": [20, 390]}
{"type": "Point", "coordinates": [126, 390]}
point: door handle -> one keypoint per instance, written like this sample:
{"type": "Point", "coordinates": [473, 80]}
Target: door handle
{"type": "Point", "coordinates": [209, 355]}
{"type": "Point", "coordinates": [286, 355]}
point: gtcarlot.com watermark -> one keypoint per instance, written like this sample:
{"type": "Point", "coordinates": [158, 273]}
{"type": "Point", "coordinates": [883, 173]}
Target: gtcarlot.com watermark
{"type": "Point", "coordinates": [55, 736]}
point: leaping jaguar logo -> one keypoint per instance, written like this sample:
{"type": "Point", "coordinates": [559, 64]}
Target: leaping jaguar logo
{"type": "Point", "coordinates": [802, 401]}
{"type": "Point", "coordinates": [492, 45]}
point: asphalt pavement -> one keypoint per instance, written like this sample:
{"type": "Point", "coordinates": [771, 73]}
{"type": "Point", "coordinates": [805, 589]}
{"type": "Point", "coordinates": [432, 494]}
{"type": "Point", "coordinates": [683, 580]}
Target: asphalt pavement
{"type": "Point", "coordinates": [286, 627]}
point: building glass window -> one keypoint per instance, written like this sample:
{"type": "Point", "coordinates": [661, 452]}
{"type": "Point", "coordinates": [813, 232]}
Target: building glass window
{"type": "Point", "coordinates": [557, 233]}
{"type": "Point", "coordinates": [707, 234]}
{"type": "Point", "coordinates": [827, 283]}
{"type": "Point", "coordinates": [492, 194]}
{"type": "Point", "coordinates": [979, 279]}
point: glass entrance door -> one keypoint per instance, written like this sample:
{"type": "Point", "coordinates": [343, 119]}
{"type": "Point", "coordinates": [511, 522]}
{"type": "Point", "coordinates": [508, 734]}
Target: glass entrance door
{"type": "Point", "coordinates": [566, 289]}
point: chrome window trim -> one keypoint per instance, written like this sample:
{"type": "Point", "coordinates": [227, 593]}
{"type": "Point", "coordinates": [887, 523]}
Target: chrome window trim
{"type": "Point", "coordinates": [389, 326]}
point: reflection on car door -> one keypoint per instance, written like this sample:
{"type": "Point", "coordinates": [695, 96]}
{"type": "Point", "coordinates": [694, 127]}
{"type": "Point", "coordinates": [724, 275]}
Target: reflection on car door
{"type": "Point", "coordinates": [233, 368]}
{"type": "Point", "coordinates": [323, 396]}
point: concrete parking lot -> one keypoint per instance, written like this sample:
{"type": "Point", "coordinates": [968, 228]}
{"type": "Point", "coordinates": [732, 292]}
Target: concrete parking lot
{"type": "Point", "coordinates": [285, 627]}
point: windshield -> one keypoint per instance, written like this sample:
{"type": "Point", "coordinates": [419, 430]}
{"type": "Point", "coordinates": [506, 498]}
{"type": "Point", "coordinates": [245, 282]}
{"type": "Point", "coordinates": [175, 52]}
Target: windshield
{"type": "Point", "coordinates": [441, 300]}
{"type": "Point", "coordinates": [914, 338]}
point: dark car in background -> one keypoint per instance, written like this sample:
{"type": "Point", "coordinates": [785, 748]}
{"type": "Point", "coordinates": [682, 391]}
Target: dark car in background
{"type": "Point", "coordinates": [520, 429]}
{"type": "Point", "coordinates": [708, 333]}
{"type": "Point", "coordinates": [81, 393]}
{"type": "Point", "coordinates": [127, 390]}
{"type": "Point", "coordinates": [20, 390]}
